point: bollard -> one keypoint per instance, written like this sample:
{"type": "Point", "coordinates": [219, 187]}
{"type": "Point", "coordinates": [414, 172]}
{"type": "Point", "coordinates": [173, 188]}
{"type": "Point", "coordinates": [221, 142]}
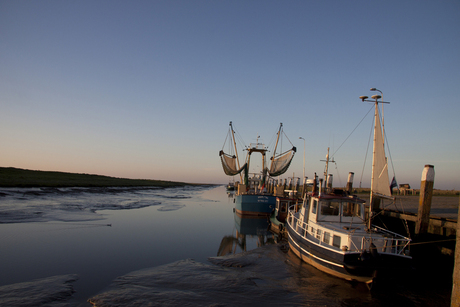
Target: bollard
{"type": "Point", "coordinates": [455, 299]}
{"type": "Point", "coordinates": [424, 206]}
{"type": "Point", "coordinates": [329, 183]}
{"type": "Point", "coordinates": [315, 185]}
{"type": "Point", "coordinates": [350, 182]}
{"type": "Point", "coordinates": [304, 188]}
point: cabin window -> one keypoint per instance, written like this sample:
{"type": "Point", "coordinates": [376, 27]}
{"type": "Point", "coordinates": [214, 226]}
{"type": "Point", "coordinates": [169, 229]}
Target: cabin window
{"type": "Point", "coordinates": [327, 237]}
{"type": "Point", "coordinates": [351, 209]}
{"type": "Point", "coordinates": [336, 241]}
{"type": "Point", "coordinates": [318, 234]}
{"type": "Point", "coordinates": [312, 231]}
{"type": "Point", "coordinates": [315, 204]}
{"type": "Point", "coordinates": [330, 208]}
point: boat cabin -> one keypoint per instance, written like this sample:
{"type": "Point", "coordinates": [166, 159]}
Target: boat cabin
{"type": "Point", "coordinates": [328, 220]}
{"type": "Point", "coordinates": [335, 209]}
{"type": "Point", "coordinates": [338, 222]}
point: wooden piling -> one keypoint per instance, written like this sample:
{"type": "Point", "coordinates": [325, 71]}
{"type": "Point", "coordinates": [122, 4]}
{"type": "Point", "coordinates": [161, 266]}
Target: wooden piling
{"type": "Point", "coordinates": [329, 182]}
{"type": "Point", "coordinates": [350, 182]}
{"type": "Point", "coordinates": [455, 299]}
{"type": "Point", "coordinates": [304, 187]}
{"type": "Point", "coordinates": [426, 194]}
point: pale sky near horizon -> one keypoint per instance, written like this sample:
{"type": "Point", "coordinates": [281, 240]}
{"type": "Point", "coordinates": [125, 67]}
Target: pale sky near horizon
{"type": "Point", "coordinates": [146, 89]}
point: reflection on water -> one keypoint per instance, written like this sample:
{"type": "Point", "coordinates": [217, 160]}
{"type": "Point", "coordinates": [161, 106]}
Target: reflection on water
{"type": "Point", "coordinates": [248, 230]}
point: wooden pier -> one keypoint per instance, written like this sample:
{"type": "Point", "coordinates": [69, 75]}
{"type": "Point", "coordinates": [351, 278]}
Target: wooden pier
{"type": "Point", "coordinates": [432, 223]}
{"type": "Point", "coordinates": [442, 218]}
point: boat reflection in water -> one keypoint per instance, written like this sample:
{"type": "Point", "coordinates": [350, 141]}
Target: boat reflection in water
{"type": "Point", "coordinates": [250, 233]}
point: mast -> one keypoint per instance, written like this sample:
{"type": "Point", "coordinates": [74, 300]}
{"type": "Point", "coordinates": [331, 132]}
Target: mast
{"type": "Point", "coordinates": [376, 119]}
{"type": "Point", "coordinates": [277, 140]}
{"type": "Point", "coordinates": [236, 152]}
{"type": "Point", "coordinates": [326, 169]}
{"type": "Point", "coordinates": [380, 186]}
{"type": "Point", "coordinates": [274, 150]}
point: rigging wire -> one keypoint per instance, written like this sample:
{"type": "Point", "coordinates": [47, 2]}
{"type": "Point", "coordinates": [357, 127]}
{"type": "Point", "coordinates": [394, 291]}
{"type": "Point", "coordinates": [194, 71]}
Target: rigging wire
{"type": "Point", "coordinates": [332, 156]}
{"type": "Point", "coordinates": [405, 220]}
{"type": "Point", "coordinates": [338, 174]}
{"type": "Point", "coordinates": [389, 154]}
{"type": "Point", "coordinates": [352, 131]}
{"type": "Point", "coordinates": [225, 142]}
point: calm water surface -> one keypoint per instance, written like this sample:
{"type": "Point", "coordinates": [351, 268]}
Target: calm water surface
{"type": "Point", "coordinates": [101, 234]}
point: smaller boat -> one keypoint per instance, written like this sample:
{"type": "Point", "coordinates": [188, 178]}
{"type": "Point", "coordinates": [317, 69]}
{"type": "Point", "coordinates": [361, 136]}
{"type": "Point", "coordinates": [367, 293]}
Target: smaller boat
{"type": "Point", "coordinates": [333, 232]}
{"type": "Point", "coordinates": [231, 186]}
{"type": "Point", "coordinates": [279, 214]}
{"type": "Point", "coordinates": [330, 232]}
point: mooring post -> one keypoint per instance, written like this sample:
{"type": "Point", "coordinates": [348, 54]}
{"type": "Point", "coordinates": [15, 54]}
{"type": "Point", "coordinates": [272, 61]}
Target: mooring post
{"type": "Point", "coordinates": [424, 206]}
{"type": "Point", "coordinates": [350, 182]}
{"type": "Point", "coordinates": [329, 183]}
{"type": "Point", "coordinates": [304, 188]}
{"type": "Point", "coordinates": [455, 300]}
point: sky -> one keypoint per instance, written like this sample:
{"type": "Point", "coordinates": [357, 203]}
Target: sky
{"type": "Point", "coordinates": [146, 89]}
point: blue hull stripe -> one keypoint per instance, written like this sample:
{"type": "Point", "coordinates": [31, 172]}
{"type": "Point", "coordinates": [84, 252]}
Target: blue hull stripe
{"type": "Point", "coordinates": [254, 204]}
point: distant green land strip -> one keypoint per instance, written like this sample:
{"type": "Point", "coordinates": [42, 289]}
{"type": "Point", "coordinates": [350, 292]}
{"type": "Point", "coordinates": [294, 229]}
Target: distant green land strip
{"type": "Point", "coordinates": [16, 177]}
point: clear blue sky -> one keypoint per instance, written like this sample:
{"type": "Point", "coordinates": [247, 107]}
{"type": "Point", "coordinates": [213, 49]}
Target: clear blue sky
{"type": "Point", "coordinates": [146, 89]}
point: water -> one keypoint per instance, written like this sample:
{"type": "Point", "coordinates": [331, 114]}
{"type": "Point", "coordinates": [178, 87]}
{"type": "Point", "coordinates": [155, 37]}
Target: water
{"type": "Point", "coordinates": [65, 231]}
{"type": "Point", "coordinates": [101, 234]}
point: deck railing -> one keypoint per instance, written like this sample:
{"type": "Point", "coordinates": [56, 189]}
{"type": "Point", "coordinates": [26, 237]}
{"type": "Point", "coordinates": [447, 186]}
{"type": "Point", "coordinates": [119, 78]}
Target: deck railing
{"type": "Point", "coordinates": [384, 241]}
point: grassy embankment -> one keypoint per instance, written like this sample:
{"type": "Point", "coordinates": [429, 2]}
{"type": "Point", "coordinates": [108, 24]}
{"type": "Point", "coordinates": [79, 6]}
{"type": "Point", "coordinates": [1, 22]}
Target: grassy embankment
{"type": "Point", "coordinates": [15, 177]}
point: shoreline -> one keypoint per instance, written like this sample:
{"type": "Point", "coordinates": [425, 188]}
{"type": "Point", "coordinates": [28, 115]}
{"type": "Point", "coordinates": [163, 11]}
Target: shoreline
{"type": "Point", "coordinates": [11, 177]}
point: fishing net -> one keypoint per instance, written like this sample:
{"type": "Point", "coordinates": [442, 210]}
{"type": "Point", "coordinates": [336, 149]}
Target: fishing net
{"type": "Point", "coordinates": [229, 164]}
{"type": "Point", "coordinates": [281, 163]}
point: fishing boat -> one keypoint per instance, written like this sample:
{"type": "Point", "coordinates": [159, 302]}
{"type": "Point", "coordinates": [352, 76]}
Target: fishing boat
{"type": "Point", "coordinates": [231, 186]}
{"type": "Point", "coordinates": [278, 216]}
{"type": "Point", "coordinates": [333, 232]}
{"type": "Point", "coordinates": [287, 195]}
{"type": "Point", "coordinates": [251, 194]}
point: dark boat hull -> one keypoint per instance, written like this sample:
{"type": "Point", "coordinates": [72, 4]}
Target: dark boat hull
{"type": "Point", "coordinates": [362, 267]}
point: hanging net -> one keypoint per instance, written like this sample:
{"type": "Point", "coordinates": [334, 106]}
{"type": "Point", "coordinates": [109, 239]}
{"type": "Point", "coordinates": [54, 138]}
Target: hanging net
{"type": "Point", "coordinates": [229, 164]}
{"type": "Point", "coordinates": [281, 163]}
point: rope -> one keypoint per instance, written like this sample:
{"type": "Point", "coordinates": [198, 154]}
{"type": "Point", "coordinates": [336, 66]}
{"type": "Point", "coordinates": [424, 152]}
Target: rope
{"type": "Point", "coordinates": [405, 221]}
{"type": "Point", "coordinates": [430, 242]}
{"type": "Point", "coordinates": [389, 154]}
